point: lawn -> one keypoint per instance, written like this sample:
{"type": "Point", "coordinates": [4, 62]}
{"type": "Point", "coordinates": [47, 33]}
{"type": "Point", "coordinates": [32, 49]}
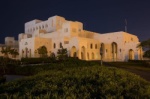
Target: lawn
{"type": "Point", "coordinates": [76, 79]}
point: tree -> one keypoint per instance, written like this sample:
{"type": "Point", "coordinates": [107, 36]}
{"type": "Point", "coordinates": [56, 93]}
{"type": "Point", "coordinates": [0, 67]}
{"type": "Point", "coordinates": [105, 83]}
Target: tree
{"type": "Point", "coordinates": [13, 52]}
{"type": "Point", "coordinates": [146, 45]}
{"type": "Point", "coordinates": [6, 51]}
{"type": "Point", "coordinates": [42, 51]}
{"type": "Point", "coordinates": [62, 53]}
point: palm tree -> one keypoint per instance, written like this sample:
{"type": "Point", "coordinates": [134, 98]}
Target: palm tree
{"type": "Point", "coordinates": [5, 59]}
{"type": "Point", "coordinates": [146, 44]}
{"type": "Point", "coordinates": [6, 51]}
{"type": "Point", "coordinates": [14, 53]}
{"type": "Point", "coordinates": [42, 51]}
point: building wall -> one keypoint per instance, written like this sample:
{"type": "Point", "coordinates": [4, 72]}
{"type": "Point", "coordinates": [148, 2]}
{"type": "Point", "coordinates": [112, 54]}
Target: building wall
{"type": "Point", "coordinates": [56, 31]}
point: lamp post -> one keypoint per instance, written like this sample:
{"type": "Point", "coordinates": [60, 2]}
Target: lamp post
{"type": "Point", "coordinates": [101, 53]}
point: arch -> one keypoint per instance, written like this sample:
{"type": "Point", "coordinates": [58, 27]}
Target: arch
{"type": "Point", "coordinates": [95, 46]}
{"type": "Point", "coordinates": [40, 27]}
{"type": "Point", "coordinates": [60, 45]}
{"type": "Point", "coordinates": [26, 52]}
{"type": "Point", "coordinates": [52, 55]}
{"type": "Point", "coordinates": [22, 53]}
{"type": "Point", "coordinates": [54, 46]}
{"type": "Point", "coordinates": [91, 46]}
{"type": "Point", "coordinates": [30, 52]}
{"type": "Point", "coordinates": [82, 52]}
{"type": "Point", "coordinates": [103, 50]}
{"type": "Point", "coordinates": [114, 47]}
{"type": "Point", "coordinates": [131, 54]}
{"type": "Point", "coordinates": [73, 52]}
{"type": "Point", "coordinates": [93, 55]}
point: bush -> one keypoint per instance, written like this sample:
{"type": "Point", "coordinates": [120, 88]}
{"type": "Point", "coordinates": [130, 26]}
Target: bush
{"type": "Point", "coordinates": [37, 60]}
{"type": "Point", "coordinates": [94, 82]}
{"type": "Point", "coordinates": [2, 79]}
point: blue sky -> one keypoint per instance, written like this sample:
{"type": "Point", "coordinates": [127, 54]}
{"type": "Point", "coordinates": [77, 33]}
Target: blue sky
{"type": "Point", "coordinates": [100, 16]}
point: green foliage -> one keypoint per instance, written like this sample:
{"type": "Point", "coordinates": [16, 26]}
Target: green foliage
{"type": "Point", "coordinates": [147, 54]}
{"type": "Point", "coordinates": [7, 65]}
{"type": "Point", "coordinates": [2, 79]}
{"type": "Point", "coordinates": [42, 51]}
{"type": "Point", "coordinates": [6, 51]}
{"type": "Point", "coordinates": [78, 82]}
{"type": "Point", "coordinates": [62, 53]}
{"type": "Point", "coordinates": [146, 44]}
{"type": "Point", "coordinates": [13, 52]}
{"type": "Point", "coordinates": [37, 60]}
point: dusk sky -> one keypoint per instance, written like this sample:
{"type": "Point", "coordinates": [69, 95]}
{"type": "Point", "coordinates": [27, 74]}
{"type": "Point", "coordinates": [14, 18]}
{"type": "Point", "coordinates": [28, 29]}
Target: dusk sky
{"type": "Point", "coordinates": [100, 16]}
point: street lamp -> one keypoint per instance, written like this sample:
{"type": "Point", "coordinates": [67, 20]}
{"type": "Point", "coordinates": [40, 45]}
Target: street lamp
{"type": "Point", "coordinates": [101, 53]}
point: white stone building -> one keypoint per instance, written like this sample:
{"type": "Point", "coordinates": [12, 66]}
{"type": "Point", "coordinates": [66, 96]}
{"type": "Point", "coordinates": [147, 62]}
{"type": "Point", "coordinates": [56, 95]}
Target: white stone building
{"type": "Point", "coordinates": [11, 42]}
{"type": "Point", "coordinates": [57, 31]}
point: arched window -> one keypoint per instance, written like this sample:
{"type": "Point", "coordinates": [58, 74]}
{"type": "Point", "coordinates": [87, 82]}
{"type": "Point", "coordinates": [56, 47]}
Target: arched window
{"type": "Point", "coordinates": [39, 27]}
{"type": "Point", "coordinates": [95, 46]}
{"type": "Point", "coordinates": [60, 45]}
{"type": "Point", "coordinates": [54, 45]}
{"type": "Point", "coordinates": [91, 46]}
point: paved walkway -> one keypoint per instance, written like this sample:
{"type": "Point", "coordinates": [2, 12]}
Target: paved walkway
{"type": "Point", "coordinates": [12, 77]}
{"type": "Point", "coordinates": [143, 74]}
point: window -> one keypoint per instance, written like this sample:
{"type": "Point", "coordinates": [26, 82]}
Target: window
{"type": "Point", "coordinates": [106, 50]}
{"type": "Point", "coordinates": [131, 39]}
{"type": "Point", "coordinates": [120, 50]}
{"type": "Point", "coordinates": [43, 26]}
{"type": "Point", "coordinates": [54, 45]}
{"type": "Point", "coordinates": [39, 27]}
{"type": "Point", "coordinates": [95, 46]}
{"type": "Point", "coordinates": [60, 45]}
{"type": "Point", "coordinates": [91, 46]}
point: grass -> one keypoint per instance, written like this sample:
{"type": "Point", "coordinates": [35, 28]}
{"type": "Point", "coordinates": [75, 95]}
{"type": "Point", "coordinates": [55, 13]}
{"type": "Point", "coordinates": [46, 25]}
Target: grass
{"type": "Point", "coordinates": [77, 79]}
{"type": "Point", "coordinates": [131, 65]}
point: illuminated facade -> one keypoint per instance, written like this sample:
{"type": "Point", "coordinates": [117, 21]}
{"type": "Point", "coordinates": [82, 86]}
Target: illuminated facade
{"type": "Point", "coordinates": [57, 31]}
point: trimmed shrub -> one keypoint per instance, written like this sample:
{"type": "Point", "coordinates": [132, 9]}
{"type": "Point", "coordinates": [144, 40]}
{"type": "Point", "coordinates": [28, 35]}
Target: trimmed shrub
{"type": "Point", "coordinates": [96, 82]}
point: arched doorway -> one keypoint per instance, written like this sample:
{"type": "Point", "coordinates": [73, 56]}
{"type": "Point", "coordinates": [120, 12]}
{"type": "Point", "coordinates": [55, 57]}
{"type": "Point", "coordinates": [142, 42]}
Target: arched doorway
{"type": "Point", "coordinates": [73, 52]}
{"type": "Point", "coordinates": [102, 47]}
{"type": "Point", "coordinates": [114, 51]}
{"type": "Point", "coordinates": [83, 53]}
{"type": "Point", "coordinates": [26, 52]}
{"type": "Point", "coordinates": [22, 53]}
{"type": "Point", "coordinates": [131, 54]}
